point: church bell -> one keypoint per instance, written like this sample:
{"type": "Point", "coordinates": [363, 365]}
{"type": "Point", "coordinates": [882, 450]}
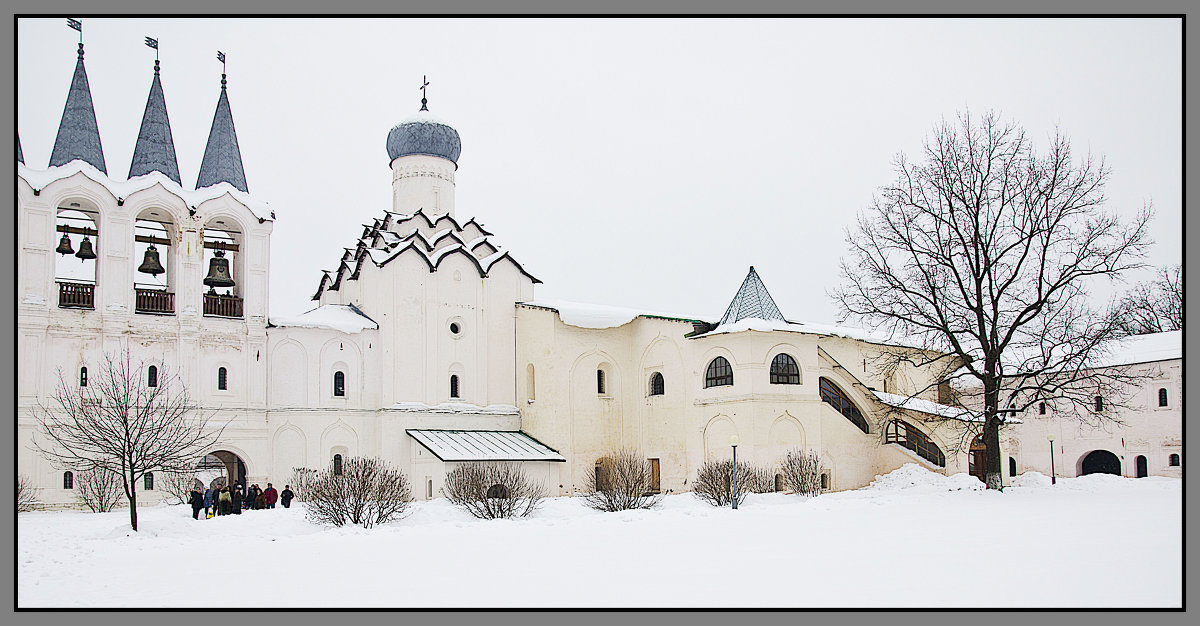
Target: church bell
{"type": "Point", "coordinates": [218, 271]}
{"type": "Point", "coordinates": [151, 265]}
{"type": "Point", "coordinates": [85, 249]}
{"type": "Point", "coordinates": [64, 245]}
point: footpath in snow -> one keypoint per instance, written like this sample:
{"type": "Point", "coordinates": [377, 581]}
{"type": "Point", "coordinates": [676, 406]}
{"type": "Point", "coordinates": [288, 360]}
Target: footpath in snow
{"type": "Point", "coordinates": [912, 538]}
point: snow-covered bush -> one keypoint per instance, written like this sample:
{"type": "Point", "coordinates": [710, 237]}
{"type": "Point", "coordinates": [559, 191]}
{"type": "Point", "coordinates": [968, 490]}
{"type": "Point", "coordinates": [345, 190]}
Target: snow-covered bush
{"type": "Point", "coordinates": [621, 482]}
{"type": "Point", "coordinates": [367, 492]}
{"type": "Point", "coordinates": [802, 472]}
{"type": "Point", "coordinates": [714, 482]}
{"type": "Point", "coordinates": [98, 489]}
{"type": "Point", "coordinates": [301, 482]}
{"type": "Point", "coordinates": [491, 490]}
{"type": "Point", "coordinates": [27, 499]}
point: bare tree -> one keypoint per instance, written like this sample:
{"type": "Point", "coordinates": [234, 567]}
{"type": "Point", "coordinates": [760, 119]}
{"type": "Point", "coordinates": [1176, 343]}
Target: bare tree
{"type": "Point", "coordinates": [367, 492]}
{"type": "Point", "coordinates": [493, 490]}
{"type": "Point", "coordinates": [714, 482]}
{"type": "Point", "coordinates": [119, 423]}
{"type": "Point", "coordinates": [1155, 306]}
{"type": "Point", "coordinates": [98, 489]}
{"type": "Point", "coordinates": [621, 482]}
{"type": "Point", "coordinates": [301, 482]}
{"type": "Point", "coordinates": [802, 472]}
{"type": "Point", "coordinates": [27, 495]}
{"type": "Point", "coordinates": [983, 254]}
{"type": "Point", "coordinates": [177, 485]}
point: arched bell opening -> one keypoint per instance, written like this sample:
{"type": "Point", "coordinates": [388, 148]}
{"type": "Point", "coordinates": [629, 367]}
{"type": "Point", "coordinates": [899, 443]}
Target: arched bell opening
{"type": "Point", "coordinates": [154, 277]}
{"type": "Point", "coordinates": [223, 242]}
{"type": "Point", "coordinates": [75, 264]}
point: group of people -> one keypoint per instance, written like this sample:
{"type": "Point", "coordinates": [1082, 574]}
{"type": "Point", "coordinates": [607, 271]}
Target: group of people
{"type": "Point", "coordinates": [227, 501]}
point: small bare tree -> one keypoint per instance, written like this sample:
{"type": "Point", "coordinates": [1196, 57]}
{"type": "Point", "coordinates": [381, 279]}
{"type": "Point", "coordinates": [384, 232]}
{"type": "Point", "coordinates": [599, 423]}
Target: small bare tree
{"type": "Point", "coordinates": [714, 482]}
{"type": "Point", "coordinates": [802, 472]}
{"type": "Point", "coordinates": [301, 482]}
{"type": "Point", "coordinates": [177, 485]}
{"type": "Point", "coordinates": [27, 495]}
{"type": "Point", "coordinates": [119, 423]}
{"type": "Point", "coordinates": [761, 479]}
{"type": "Point", "coordinates": [367, 492]}
{"type": "Point", "coordinates": [1155, 306]}
{"type": "Point", "coordinates": [98, 489]}
{"type": "Point", "coordinates": [492, 490]}
{"type": "Point", "coordinates": [983, 254]}
{"type": "Point", "coordinates": [621, 482]}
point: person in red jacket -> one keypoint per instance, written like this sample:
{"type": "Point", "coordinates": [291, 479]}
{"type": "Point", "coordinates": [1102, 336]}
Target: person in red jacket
{"type": "Point", "coordinates": [270, 495]}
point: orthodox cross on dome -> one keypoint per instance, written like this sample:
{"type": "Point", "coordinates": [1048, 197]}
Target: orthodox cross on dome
{"type": "Point", "coordinates": [424, 84]}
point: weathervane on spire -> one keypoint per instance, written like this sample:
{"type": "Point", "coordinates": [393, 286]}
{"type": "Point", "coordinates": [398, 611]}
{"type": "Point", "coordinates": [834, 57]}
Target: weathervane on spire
{"type": "Point", "coordinates": [221, 58]}
{"type": "Point", "coordinates": [77, 25]}
{"type": "Point", "coordinates": [153, 43]}
{"type": "Point", "coordinates": [424, 84]}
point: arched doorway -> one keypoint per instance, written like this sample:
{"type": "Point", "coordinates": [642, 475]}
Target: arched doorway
{"type": "Point", "coordinates": [222, 467]}
{"type": "Point", "coordinates": [977, 459]}
{"type": "Point", "coordinates": [1142, 469]}
{"type": "Point", "coordinates": [1100, 462]}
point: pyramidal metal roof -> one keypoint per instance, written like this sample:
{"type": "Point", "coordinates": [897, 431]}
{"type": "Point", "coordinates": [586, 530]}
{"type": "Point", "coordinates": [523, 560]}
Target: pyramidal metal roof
{"type": "Point", "coordinates": [222, 158]}
{"type": "Point", "coordinates": [20, 157]}
{"type": "Point", "coordinates": [155, 148]}
{"type": "Point", "coordinates": [78, 137]}
{"type": "Point", "coordinates": [752, 301]}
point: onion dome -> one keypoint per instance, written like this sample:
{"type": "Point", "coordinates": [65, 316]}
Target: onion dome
{"type": "Point", "coordinates": [424, 133]}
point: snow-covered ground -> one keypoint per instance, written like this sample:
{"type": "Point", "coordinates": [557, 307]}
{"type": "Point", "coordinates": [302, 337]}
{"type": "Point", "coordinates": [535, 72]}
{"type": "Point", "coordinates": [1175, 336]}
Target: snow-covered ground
{"type": "Point", "coordinates": [912, 539]}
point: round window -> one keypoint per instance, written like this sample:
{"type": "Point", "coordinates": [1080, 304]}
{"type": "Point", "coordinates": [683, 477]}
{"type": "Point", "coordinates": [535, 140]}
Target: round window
{"type": "Point", "coordinates": [454, 328]}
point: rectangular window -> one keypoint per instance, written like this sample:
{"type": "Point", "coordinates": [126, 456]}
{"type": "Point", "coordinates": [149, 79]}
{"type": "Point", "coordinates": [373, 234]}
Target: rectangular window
{"type": "Point", "coordinates": [428, 488]}
{"type": "Point", "coordinates": [655, 482]}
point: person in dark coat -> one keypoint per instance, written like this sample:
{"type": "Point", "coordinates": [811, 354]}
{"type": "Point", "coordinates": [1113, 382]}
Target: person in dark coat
{"type": "Point", "coordinates": [208, 501]}
{"type": "Point", "coordinates": [286, 496]}
{"type": "Point", "coordinates": [236, 496]}
{"type": "Point", "coordinates": [197, 502]}
{"type": "Point", "coordinates": [270, 496]}
{"type": "Point", "coordinates": [260, 500]}
{"type": "Point", "coordinates": [225, 500]}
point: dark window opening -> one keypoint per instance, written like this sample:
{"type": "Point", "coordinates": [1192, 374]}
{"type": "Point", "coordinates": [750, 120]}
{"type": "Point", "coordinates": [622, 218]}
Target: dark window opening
{"type": "Point", "coordinates": [1041, 408]}
{"type": "Point", "coordinates": [718, 374]}
{"type": "Point", "coordinates": [1099, 403]}
{"type": "Point", "coordinates": [835, 397]}
{"type": "Point", "coordinates": [658, 386]}
{"type": "Point", "coordinates": [1173, 460]}
{"type": "Point", "coordinates": [1142, 469]}
{"type": "Point", "coordinates": [1012, 466]}
{"type": "Point", "coordinates": [454, 385]}
{"type": "Point", "coordinates": [339, 384]}
{"type": "Point", "coordinates": [337, 465]}
{"type": "Point", "coordinates": [497, 491]}
{"type": "Point", "coordinates": [600, 382]}
{"type": "Point", "coordinates": [784, 370]}
{"type": "Point", "coordinates": [68, 480]}
{"type": "Point", "coordinates": [904, 434]}
{"type": "Point", "coordinates": [148, 481]}
{"type": "Point", "coordinates": [152, 377]}
{"type": "Point", "coordinates": [83, 377]}
{"type": "Point", "coordinates": [222, 379]}
{"type": "Point", "coordinates": [454, 328]}
{"type": "Point", "coordinates": [1162, 397]}
{"type": "Point", "coordinates": [825, 480]}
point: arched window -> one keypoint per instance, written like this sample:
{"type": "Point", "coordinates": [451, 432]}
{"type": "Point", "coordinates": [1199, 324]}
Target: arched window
{"type": "Point", "coordinates": [904, 434]}
{"type": "Point", "coordinates": [784, 370]}
{"type": "Point", "coordinates": [497, 491]}
{"type": "Point", "coordinates": [531, 388]}
{"type": "Point", "coordinates": [1162, 397]}
{"type": "Point", "coordinates": [600, 382]}
{"type": "Point", "coordinates": [454, 385]}
{"type": "Point", "coordinates": [148, 481]}
{"type": "Point", "coordinates": [841, 403]}
{"type": "Point", "coordinates": [1173, 460]}
{"type": "Point", "coordinates": [718, 374]}
{"type": "Point", "coordinates": [1099, 403]}
{"type": "Point", "coordinates": [222, 379]}
{"type": "Point", "coordinates": [68, 480]}
{"type": "Point", "coordinates": [1041, 408]}
{"type": "Point", "coordinates": [657, 385]}
{"type": "Point", "coordinates": [152, 376]}
{"type": "Point", "coordinates": [339, 384]}
{"type": "Point", "coordinates": [83, 377]}
{"type": "Point", "coordinates": [337, 465]}
{"type": "Point", "coordinates": [1012, 466]}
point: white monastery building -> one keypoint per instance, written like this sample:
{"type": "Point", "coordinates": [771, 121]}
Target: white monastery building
{"type": "Point", "coordinates": [427, 346]}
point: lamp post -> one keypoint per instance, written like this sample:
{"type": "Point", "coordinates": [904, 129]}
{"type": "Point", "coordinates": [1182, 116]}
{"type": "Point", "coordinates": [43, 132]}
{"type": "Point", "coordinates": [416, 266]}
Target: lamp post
{"type": "Point", "coordinates": [1053, 478]}
{"type": "Point", "coordinates": [734, 441]}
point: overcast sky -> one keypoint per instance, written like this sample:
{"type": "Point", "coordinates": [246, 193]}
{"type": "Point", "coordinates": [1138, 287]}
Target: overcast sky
{"type": "Point", "coordinates": [629, 162]}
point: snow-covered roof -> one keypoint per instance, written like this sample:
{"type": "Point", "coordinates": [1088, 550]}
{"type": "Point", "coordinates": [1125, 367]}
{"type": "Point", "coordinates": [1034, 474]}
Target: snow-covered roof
{"type": "Point", "coordinates": [933, 408]}
{"type": "Point", "coordinates": [484, 445]}
{"type": "Point", "coordinates": [339, 317]}
{"type": "Point", "coordinates": [599, 315]}
{"type": "Point", "coordinates": [455, 407]}
{"type": "Point", "coordinates": [40, 179]}
{"type": "Point", "coordinates": [1144, 349]}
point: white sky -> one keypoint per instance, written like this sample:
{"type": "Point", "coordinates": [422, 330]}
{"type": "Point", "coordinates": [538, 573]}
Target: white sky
{"type": "Point", "coordinates": [628, 162]}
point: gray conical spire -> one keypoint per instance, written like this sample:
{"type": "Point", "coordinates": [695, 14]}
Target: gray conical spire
{"type": "Point", "coordinates": [78, 137]}
{"type": "Point", "coordinates": [155, 148]}
{"type": "Point", "coordinates": [222, 157]}
{"type": "Point", "coordinates": [752, 301]}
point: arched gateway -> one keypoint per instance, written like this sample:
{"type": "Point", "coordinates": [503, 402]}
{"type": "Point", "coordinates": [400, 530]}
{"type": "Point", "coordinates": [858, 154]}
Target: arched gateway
{"type": "Point", "coordinates": [1100, 462]}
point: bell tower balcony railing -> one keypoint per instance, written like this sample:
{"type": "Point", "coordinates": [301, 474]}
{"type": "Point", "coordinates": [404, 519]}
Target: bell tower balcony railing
{"type": "Point", "coordinates": [76, 295]}
{"type": "Point", "coordinates": [219, 305]}
{"type": "Point", "coordinates": [154, 301]}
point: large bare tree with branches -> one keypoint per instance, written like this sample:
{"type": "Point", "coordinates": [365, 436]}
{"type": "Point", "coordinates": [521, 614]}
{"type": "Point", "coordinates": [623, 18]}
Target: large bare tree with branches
{"type": "Point", "coordinates": [118, 422]}
{"type": "Point", "coordinates": [1154, 306]}
{"type": "Point", "coordinates": [983, 253]}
